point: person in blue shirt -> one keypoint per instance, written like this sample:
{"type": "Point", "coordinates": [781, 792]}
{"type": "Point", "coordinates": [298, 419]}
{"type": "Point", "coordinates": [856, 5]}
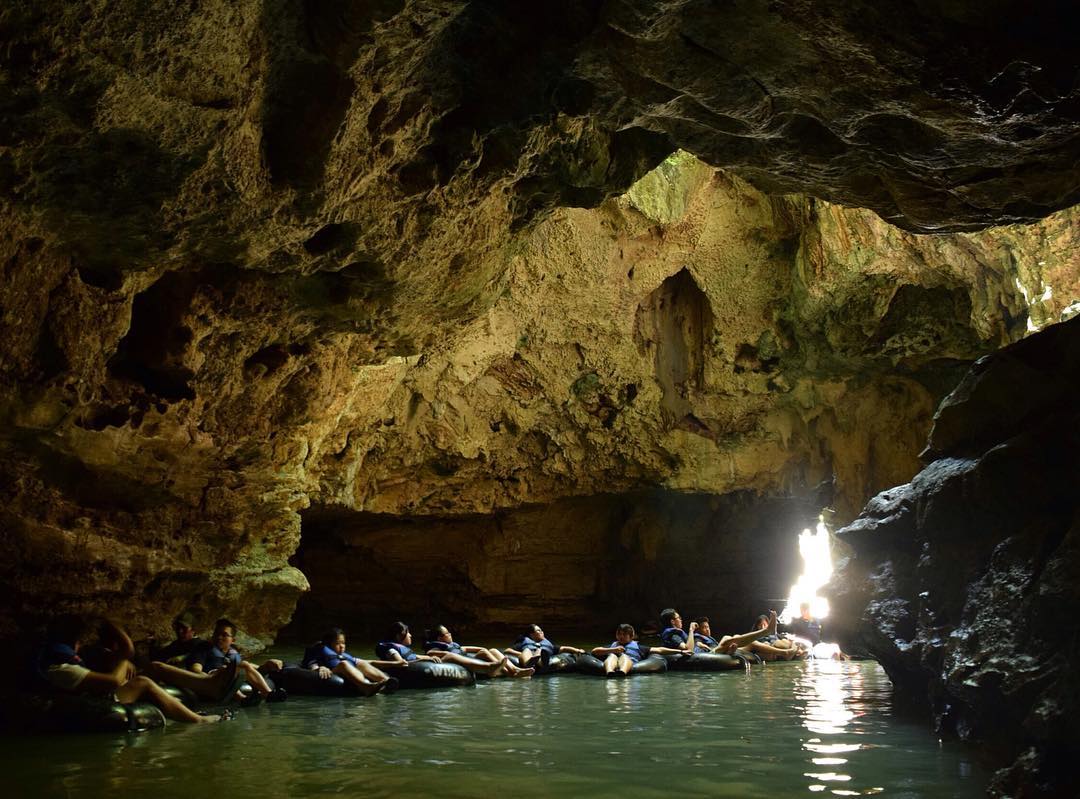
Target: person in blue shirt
{"type": "Point", "coordinates": [394, 649]}
{"type": "Point", "coordinates": [534, 644]}
{"type": "Point", "coordinates": [673, 635]}
{"type": "Point", "coordinates": [622, 653]}
{"type": "Point", "coordinates": [703, 640]}
{"type": "Point", "coordinates": [211, 657]}
{"type": "Point", "coordinates": [394, 652]}
{"type": "Point", "coordinates": [329, 657]}
{"type": "Point", "coordinates": [440, 643]}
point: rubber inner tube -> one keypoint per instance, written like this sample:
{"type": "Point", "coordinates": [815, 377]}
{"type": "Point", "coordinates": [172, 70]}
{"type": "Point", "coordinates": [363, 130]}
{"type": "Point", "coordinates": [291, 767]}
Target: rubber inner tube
{"type": "Point", "coordinates": [89, 713]}
{"type": "Point", "coordinates": [653, 664]}
{"type": "Point", "coordinates": [558, 664]}
{"type": "Point", "coordinates": [431, 674]}
{"type": "Point", "coordinates": [590, 664]}
{"type": "Point", "coordinates": [307, 682]}
{"type": "Point", "coordinates": [705, 662]}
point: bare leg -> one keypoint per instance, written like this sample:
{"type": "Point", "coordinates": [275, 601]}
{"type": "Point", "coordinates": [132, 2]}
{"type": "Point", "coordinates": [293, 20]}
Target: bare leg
{"type": "Point", "coordinates": [472, 664]}
{"type": "Point", "coordinates": [144, 688]}
{"type": "Point", "coordinates": [258, 682]}
{"type": "Point", "coordinates": [354, 677]}
{"type": "Point", "coordinates": [611, 662]}
{"type": "Point", "coordinates": [206, 686]}
{"type": "Point", "coordinates": [372, 673]}
{"type": "Point", "coordinates": [508, 668]}
{"type": "Point", "coordinates": [490, 655]}
{"type": "Point", "coordinates": [524, 657]}
{"type": "Point", "coordinates": [731, 642]}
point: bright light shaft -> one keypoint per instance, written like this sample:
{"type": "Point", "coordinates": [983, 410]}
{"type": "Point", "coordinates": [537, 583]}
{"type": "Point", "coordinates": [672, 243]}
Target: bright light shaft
{"type": "Point", "coordinates": [817, 569]}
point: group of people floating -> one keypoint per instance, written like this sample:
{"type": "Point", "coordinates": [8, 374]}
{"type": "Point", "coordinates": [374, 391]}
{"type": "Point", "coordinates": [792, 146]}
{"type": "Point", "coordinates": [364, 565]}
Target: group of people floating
{"type": "Point", "coordinates": [211, 671]}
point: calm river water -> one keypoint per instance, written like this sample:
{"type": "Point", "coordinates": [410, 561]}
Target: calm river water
{"type": "Point", "coordinates": [819, 728]}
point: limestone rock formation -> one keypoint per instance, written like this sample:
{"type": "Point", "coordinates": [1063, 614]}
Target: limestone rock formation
{"type": "Point", "coordinates": [166, 432]}
{"type": "Point", "coordinates": [388, 261]}
{"type": "Point", "coordinates": [965, 581]}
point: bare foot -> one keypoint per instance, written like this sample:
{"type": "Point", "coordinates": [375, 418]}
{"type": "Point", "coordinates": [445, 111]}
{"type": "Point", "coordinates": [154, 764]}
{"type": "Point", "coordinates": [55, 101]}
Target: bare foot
{"type": "Point", "coordinates": [372, 688]}
{"type": "Point", "coordinates": [209, 718]}
{"type": "Point", "coordinates": [524, 673]}
{"type": "Point", "coordinates": [491, 669]}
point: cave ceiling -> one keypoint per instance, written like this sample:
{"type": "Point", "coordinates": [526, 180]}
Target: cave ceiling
{"type": "Point", "coordinates": [420, 258]}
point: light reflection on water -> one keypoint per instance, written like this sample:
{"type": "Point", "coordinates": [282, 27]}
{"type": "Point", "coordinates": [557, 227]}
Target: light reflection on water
{"type": "Point", "coordinates": [822, 728]}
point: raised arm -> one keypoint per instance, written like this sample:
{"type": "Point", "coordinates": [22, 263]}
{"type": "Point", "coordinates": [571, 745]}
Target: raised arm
{"type": "Point", "coordinates": [118, 640]}
{"type": "Point", "coordinates": [737, 641]}
{"type": "Point", "coordinates": [105, 682]}
{"type": "Point", "coordinates": [691, 638]}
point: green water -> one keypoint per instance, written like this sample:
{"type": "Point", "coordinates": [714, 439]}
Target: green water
{"type": "Point", "coordinates": [782, 730]}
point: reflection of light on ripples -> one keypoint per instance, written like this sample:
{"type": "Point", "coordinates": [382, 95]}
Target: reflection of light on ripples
{"type": "Point", "coordinates": [827, 776]}
{"type": "Point", "coordinates": [825, 692]}
{"type": "Point", "coordinates": [824, 748]}
{"type": "Point", "coordinates": [833, 701]}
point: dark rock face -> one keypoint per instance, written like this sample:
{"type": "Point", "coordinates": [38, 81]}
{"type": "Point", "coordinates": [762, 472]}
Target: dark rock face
{"type": "Point", "coordinates": [581, 565]}
{"type": "Point", "coordinates": [966, 581]}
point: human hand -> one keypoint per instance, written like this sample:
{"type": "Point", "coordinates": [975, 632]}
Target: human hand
{"type": "Point", "coordinates": [693, 627]}
{"type": "Point", "coordinates": [618, 650]}
{"type": "Point", "coordinates": [324, 673]}
{"type": "Point", "coordinates": [771, 629]}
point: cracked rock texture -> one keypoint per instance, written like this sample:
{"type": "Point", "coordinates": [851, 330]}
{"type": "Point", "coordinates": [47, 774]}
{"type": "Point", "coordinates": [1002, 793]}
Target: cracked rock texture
{"type": "Point", "coordinates": [404, 261]}
{"type": "Point", "coordinates": [695, 334]}
{"type": "Point", "coordinates": [964, 581]}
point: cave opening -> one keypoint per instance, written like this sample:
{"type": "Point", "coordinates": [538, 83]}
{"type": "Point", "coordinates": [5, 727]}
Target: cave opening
{"type": "Point", "coordinates": [577, 565]}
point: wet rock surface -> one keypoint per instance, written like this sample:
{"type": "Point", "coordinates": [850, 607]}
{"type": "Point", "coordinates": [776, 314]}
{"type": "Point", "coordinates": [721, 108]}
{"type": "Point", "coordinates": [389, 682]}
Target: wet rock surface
{"type": "Point", "coordinates": [408, 261]}
{"type": "Point", "coordinates": [965, 580]}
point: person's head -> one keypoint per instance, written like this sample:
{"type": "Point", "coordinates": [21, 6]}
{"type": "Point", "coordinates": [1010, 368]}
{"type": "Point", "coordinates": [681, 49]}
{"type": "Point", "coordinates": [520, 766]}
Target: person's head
{"type": "Point", "coordinates": [534, 632]}
{"type": "Point", "coordinates": [669, 617]}
{"type": "Point", "coordinates": [334, 638]}
{"type": "Point", "coordinates": [184, 626]}
{"type": "Point", "coordinates": [439, 633]}
{"type": "Point", "coordinates": [804, 611]}
{"type": "Point", "coordinates": [762, 622]}
{"type": "Point", "coordinates": [624, 634]}
{"type": "Point", "coordinates": [703, 625]}
{"type": "Point", "coordinates": [224, 634]}
{"type": "Point", "coordinates": [70, 629]}
{"type": "Point", "coordinates": [399, 633]}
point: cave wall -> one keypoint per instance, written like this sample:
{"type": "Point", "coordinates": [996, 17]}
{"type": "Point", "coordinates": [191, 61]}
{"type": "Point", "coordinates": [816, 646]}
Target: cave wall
{"type": "Point", "coordinates": [578, 565]}
{"type": "Point", "coordinates": [179, 421]}
{"type": "Point", "coordinates": [963, 582]}
{"type": "Point", "coordinates": [265, 253]}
